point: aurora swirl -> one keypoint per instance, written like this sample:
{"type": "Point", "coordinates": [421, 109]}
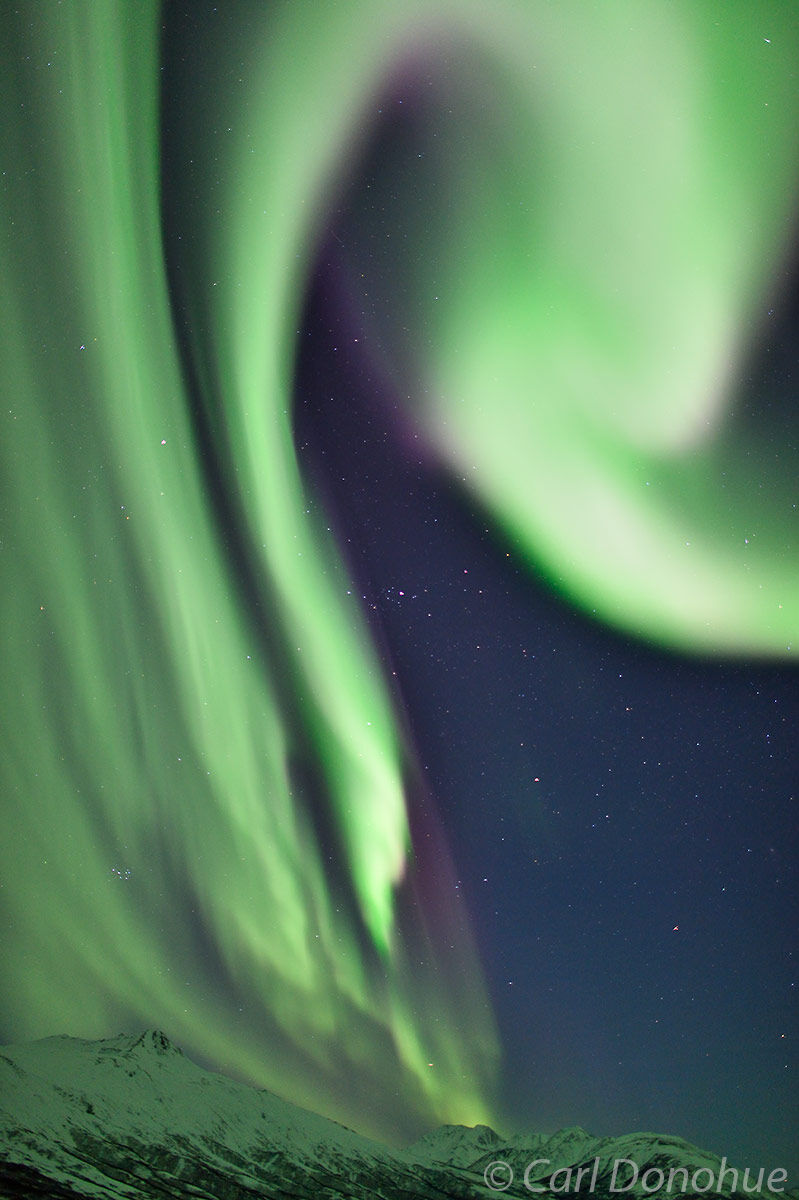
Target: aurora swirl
{"type": "Point", "coordinates": [207, 783]}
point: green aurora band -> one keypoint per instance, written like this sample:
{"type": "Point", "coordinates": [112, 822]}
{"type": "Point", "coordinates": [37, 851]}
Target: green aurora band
{"type": "Point", "coordinates": [587, 275]}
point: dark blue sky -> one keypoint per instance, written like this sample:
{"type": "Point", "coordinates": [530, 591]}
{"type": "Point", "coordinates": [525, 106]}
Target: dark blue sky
{"type": "Point", "coordinates": [623, 819]}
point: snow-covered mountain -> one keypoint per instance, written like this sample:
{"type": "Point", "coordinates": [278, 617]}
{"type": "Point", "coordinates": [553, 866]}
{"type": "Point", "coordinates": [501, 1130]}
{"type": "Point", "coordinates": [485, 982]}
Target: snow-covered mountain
{"type": "Point", "coordinates": [574, 1162]}
{"type": "Point", "coordinates": [131, 1117]}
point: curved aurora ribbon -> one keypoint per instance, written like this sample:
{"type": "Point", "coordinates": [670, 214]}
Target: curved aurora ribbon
{"type": "Point", "coordinates": [207, 794]}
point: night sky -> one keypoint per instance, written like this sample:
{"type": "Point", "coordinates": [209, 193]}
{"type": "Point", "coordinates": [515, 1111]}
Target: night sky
{"type": "Point", "coordinates": [400, 583]}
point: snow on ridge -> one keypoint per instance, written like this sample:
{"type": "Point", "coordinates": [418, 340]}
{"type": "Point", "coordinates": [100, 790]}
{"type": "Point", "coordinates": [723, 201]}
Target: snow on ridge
{"type": "Point", "coordinates": [66, 1104]}
{"type": "Point", "coordinates": [454, 1145]}
{"type": "Point", "coordinates": [473, 1149]}
{"type": "Point", "coordinates": [151, 1041]}
{"type": "Point", "coordinates": [141, 1085]}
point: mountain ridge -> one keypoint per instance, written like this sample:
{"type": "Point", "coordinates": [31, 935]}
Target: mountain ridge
{"type": "Point", "coordinates": [130, 1117]}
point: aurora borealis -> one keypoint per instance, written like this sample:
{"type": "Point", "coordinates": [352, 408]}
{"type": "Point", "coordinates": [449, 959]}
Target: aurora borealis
{"type": "Point", "coordinates": [558, 237]}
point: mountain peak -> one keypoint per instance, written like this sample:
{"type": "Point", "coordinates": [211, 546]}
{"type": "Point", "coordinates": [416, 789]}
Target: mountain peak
{"type": "Point", "coordinates": [573, 1131]}
{"type": "Point", "coordinates": [461, 1144]}
{"type": "Point", "coordinates": [157, 1041]}
{"type": "Point", "coordinates": [481, 1135]}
